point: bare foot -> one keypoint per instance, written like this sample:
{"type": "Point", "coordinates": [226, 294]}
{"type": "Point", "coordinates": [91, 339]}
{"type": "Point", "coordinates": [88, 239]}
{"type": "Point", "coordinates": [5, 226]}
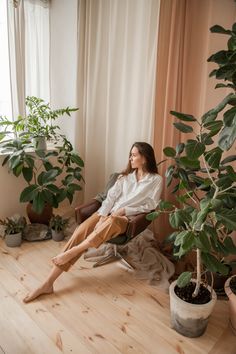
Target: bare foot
{"type": "Point", "coordinates": [65, 257]}
{"type": "Point", "coordinates": [44, 289]}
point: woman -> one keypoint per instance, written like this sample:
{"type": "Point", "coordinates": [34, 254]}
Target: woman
{"type": "Point", "coordinates": [137, 190]}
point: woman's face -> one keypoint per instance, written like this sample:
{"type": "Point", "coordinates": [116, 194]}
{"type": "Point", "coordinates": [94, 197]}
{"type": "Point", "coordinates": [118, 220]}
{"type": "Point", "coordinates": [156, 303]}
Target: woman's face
{"type": "Point", "coordinates": [136, 159]}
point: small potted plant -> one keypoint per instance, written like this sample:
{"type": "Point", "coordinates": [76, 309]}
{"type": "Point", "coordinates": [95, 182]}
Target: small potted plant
{"type": "Point", "coordinates": [58, 225]}
{"type": "Point", "coordinates": [13, 227]}
{"type": "Point", "coordinates": [203, 180]}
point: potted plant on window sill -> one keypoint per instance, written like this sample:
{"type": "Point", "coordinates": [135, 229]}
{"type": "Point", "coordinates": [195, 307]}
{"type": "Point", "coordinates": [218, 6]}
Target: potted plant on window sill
{"type": "Point", "coordinates": [13, 227]}
{"type": "Point", "coordinates": [58, 225]}
{"type": "Point", "coordinates": [205, 191]}
{"type": "Point", "coordinates": [51, 175]}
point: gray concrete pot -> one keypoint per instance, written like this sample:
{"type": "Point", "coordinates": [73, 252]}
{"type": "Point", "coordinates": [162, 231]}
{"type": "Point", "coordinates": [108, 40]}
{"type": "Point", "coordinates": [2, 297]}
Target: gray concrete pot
{"type": "Point", "coordinates": [57, 236]}
{"type": "Point", "coordinates": [232, 304]}
{"type": "Point", "coordinates": [13, 240]}
{"type": "Point", "coordinates": [188, 319]}
{"type": "Point", "coordinates": [39, 143]}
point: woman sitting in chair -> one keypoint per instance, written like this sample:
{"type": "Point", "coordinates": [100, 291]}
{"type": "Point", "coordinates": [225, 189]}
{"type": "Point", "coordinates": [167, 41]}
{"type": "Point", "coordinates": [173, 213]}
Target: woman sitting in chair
{"type": "Point", "coordinates": [137, 190]}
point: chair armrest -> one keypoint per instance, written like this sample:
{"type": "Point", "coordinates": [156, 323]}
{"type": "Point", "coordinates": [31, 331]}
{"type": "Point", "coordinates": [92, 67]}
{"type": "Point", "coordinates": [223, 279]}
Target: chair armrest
{"type": "Point", "coordinates": [137, 224]}
{"type": "Point", "coordinates": [83, 211]}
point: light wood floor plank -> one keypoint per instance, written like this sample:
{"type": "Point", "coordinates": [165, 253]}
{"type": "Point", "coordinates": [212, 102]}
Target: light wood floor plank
{"type": "Point", "coordinates": [102, 310]}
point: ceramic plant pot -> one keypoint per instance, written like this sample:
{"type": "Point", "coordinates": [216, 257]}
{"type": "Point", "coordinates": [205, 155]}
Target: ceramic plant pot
{"type": "Point", "coordinates": [232, 303]}
{"type": "Point", "coordinates": [13, 240]}
{"type": "Point", "coordinates": [57, 236]}
{"type": "Point", "coordinates": [39, 143]}
{"type": "Point", "coordinates": [42, 218]}
{"type": "Point", "coordinates": [189, 319]}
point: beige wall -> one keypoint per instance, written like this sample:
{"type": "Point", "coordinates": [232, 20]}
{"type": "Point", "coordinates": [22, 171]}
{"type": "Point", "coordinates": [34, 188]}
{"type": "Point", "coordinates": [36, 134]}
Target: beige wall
{"type": "Point", "coordinates": [10, 189]}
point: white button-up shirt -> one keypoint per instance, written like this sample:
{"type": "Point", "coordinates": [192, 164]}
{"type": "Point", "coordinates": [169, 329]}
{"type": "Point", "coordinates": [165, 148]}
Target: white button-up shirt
{"type": "Point", "coordinates": [134, 196]}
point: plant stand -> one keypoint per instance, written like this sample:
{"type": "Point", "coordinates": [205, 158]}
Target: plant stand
{"type": "Point", "coordinates": [189, 319]}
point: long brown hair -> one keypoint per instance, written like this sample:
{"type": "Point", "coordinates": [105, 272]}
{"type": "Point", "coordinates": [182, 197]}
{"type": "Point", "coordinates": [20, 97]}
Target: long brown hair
{"type": "Point", "coordinates": [147, 151]}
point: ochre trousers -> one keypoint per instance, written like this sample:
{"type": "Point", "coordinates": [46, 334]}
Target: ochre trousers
{"type": "Point", "coordinates": [111, 227]}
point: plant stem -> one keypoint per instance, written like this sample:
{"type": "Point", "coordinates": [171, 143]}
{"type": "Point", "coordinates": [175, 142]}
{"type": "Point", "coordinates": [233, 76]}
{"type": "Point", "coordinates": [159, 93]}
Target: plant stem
{"type": "Point", "coordinates": [198, 282]}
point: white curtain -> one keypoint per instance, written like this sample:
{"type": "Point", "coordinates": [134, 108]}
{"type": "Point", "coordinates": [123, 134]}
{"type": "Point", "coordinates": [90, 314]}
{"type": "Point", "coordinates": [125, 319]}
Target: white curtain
{"type": "Point", "coordinates": [28, 33]}
{"type": "Point", "coordinates": [116, 82]}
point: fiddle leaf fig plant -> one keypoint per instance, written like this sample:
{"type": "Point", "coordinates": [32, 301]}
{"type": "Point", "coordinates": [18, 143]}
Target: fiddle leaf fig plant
{"type": "Point", "coordinates": [203, 178]}
{"type": "Point", "coordinates": [53, 174]}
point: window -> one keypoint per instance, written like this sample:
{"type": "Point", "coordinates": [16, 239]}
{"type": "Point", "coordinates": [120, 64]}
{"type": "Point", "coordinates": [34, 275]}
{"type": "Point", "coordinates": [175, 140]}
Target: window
{"type": "Point", "coordinates": [5, 90]}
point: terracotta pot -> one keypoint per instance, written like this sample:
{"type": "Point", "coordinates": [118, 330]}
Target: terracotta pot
{"type": "Point", "coordinates": [232, 304]}
{"type": "Point", "coordinates": [13, 240]}
{"type": "Point", "coordinates": [188, 319]}
{"type": "Point", "coordinates": [42, 218]}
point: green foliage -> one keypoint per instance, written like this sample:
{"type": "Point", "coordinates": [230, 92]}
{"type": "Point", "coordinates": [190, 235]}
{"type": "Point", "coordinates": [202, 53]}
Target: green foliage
{"type": "Point", "coordinates": [13, 225]}
{"type": "Point", "coordinates": [203, 177]}
{"type": "Point", "coordinates": [58, 223]}
{"type": "Point", "coordinates": [51, 175]}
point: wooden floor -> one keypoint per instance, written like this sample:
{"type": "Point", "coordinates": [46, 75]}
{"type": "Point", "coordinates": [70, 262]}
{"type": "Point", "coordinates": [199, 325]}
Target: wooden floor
{"type": "Point", "coordinates": [100, 310]}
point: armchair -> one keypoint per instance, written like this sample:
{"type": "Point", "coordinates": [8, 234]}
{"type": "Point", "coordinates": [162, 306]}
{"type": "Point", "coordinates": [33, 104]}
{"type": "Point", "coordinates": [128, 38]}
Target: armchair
{"type": "Point", "coordinates": [136, 225]}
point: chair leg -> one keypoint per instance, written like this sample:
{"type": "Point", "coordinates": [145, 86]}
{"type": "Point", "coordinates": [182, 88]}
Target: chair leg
{"type": "Point", "coordinates": [112, 257]}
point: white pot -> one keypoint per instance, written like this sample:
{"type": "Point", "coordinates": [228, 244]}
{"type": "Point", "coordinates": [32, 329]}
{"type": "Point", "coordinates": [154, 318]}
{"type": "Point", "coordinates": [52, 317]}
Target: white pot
{"type": "Point", "coordinates": [189, 319]}
{"type": "Point", "coordinates": [13, 240]}
{"type": "Point", "coordinates": [232, 304]}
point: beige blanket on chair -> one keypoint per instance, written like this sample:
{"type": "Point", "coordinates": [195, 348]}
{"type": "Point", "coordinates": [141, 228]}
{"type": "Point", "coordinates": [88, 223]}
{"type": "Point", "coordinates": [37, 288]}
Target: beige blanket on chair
{"type": "Point", "coordinates": [143, 253]}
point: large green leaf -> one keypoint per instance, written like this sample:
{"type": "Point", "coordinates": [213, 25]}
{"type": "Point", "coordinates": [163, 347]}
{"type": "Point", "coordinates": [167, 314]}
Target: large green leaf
{"type": "Point", "coordinates": [202, 242]}
{"type": "Point", "coordinates": [27, 173]}
{"type": "Point", "coordinates": [230, 117]}
{"type": "Point", "coordinates": [184, 128]}
{"type": "Point", "coordinates": [28, 193]}
{"type": "Point", "coordinates": [187, 163]}
{"type": "Point", "coordinates": [178, 218]}
{"type": "Point", "coordinates": [226, 72]}
{"type": "Point", "coordinates": [213, 157]}
{"type": "Point", "coordinates": [184, 279]}
{"type": "Point", "coordinates": [213, 265]}
{"type": "Point", "coordinates": [38, 203]}
{"type": "Point", "coordinates": [219, 29]}
{"type": "Point", "coordinates": [228, 159]}
{"type": "Point", "coordinates": [152, 216]}
{"type": "Point", "coordinates": [180, 148]}
{"type": "Point", "coordinates": [183, 116]}
{"type": "Point", "coordinates": [169, 151]}
{"type": "Point", "coordinates": [227, 136]}
{"type": "Point", "coordinates": [227, 217]}
{"type": "Point", "coordinates": [194, 149]}
{"type": "Point", "coordinates": [214, 127]}
{"type": "Point", "coordinates": [229, 245]}
{"type": "Point", "coordinates": [48, 176]}
{"type": "Point", "coordinates": [76, 159]}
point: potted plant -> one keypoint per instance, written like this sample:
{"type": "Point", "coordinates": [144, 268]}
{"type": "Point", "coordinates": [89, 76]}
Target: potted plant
{"type": "Point", "coordinates": [204, 187]}
{"type": "Point", "coordinates": [51, 175]}
{"type": "Point", "coordinates": [230, 289]}
{"type": "Point", "coordinates": [13, 227]}
{"type": "Point", "coordinates": [58, 225]}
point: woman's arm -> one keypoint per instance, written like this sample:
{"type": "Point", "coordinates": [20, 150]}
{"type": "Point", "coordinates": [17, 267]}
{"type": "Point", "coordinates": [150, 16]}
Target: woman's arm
{"type": "Point", "coordinates": [112, 195]}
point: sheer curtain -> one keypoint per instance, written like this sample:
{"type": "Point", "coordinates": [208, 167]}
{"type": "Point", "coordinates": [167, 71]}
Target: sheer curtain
{"type": "Point", "coordinates": [116, 82]}
{"type": "Point", "coordinates": [28, 33]}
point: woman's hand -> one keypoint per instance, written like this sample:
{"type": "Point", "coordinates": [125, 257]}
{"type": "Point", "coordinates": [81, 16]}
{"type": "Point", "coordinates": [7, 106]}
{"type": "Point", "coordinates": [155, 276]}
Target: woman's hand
{"type": "Point", "coordinates": [119, 212]}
